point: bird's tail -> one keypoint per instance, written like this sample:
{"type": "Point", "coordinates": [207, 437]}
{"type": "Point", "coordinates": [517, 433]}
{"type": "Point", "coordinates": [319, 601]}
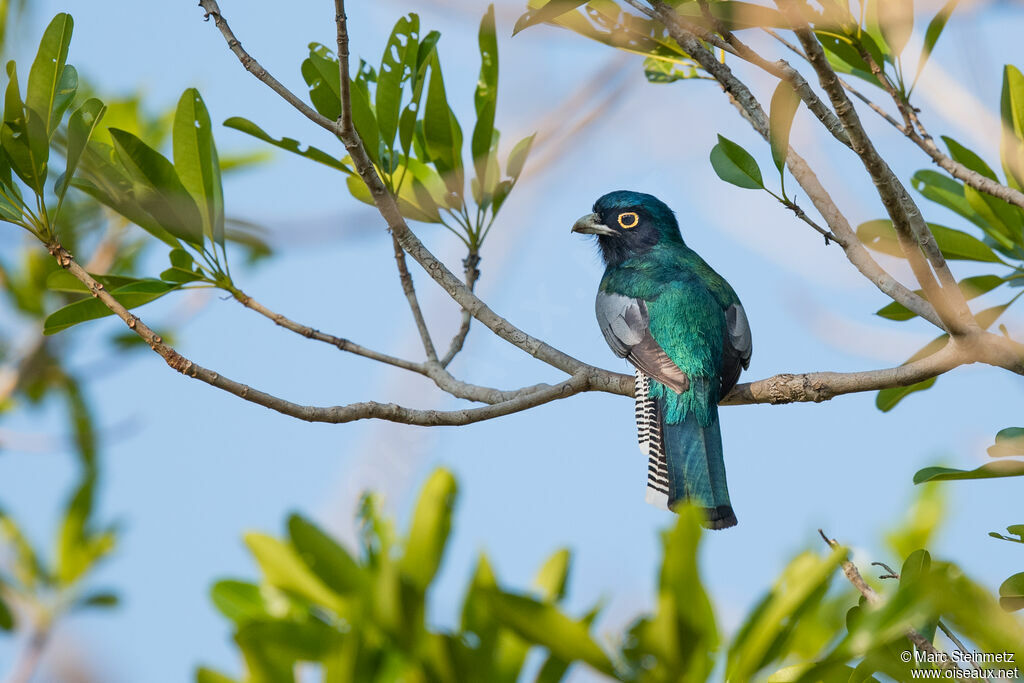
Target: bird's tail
{"type": "Point", "coordinates": [684, 460]}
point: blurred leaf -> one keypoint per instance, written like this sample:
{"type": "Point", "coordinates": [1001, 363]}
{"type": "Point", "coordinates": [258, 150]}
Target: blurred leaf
{"type": "Point", "coordinates": [552, 579]}
{"type": "Point", "coordinates": [158, 188]}
{"type": "Point", "coordinates": [52, 85]}
{"type": "Point", "coordinates": [6, 616]}
{"type": "Point", "coordinates": [329, 561]}
{"type": "Point", "coordinates": [517, 158]}
{"type": "Point", "coordinates": [206, 675]}
{"type": "Point", "coordinates": [971, 287]}
{"type": "Point", "coordinates": [545, 625]}
{"type": "Point", "coordinates": [992, 470]}
{"type": "Point", "coordinates": [428, 533]}
{"type": "Point", "coordinates": [785, 102]}
{"type": "Point", "coordinates": [802, 584]}
{"type": "Point", "coordinates": [196, 163]}
{"type": "Point", "coordinates": [1009, 441]}
{"type": "Point", "coordinates": [289, 144]}
{"type": "Point", "coordinates": [546, 12]}
{"type": "Point", "coordinates": [735, 165]}
{"type": "Point", "coordinates": [130, 296]}
{"type": "Point", "coordinates": [1011, 108]}
{"type": "Point", "coordinates": [915, 566]}
{"type": "Point", "coordinates": [896, 19]}
{"type": "Point", "coordinates": [887, 399]}
{"type": "Point", "coordinates": [923, 518]}
{"type": "Point", "coordinates": [669, 71]}
{"type": "Point", "coordinates": [946, 191]}
{"type": "Point", "coordinates": [27, 568]}
{"type": "Point", "coordinates": [99, 599]}
{"type": "Point", "coordinates": [284, 569]}
{"type": "Point", "coordinates": [932, 33]}
{"type": "Point", "coordinates": [239, 601]}
{"type": "Point", "coordinates": [880, 236]}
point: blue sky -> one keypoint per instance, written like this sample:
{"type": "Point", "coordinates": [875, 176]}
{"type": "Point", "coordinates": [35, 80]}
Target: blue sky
{"type": "Point", "coordinates": [189, 469]}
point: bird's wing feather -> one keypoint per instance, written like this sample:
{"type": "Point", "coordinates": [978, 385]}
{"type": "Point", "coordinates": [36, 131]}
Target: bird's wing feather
{"type": "Point", "coordinates": [625, 325]}
{"type": "Point", "coordinates": [738, 346]}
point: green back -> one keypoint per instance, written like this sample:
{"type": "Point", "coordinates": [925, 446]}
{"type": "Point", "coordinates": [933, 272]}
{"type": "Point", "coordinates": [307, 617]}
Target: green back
{"type": "Point", "coordinates": [686, 301]}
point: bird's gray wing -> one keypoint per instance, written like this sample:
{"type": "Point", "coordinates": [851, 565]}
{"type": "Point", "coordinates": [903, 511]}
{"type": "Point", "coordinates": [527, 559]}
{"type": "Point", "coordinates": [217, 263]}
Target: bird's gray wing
{"type": "Point", "coordinates": [624, 324]}
{"type": "Point", "coordinates": [738, 346]}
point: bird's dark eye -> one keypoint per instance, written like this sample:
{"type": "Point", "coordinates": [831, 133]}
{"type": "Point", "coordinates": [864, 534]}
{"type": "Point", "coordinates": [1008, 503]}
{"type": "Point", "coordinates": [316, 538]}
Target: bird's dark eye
{"type": "Point", "coordinates": [629, 219]}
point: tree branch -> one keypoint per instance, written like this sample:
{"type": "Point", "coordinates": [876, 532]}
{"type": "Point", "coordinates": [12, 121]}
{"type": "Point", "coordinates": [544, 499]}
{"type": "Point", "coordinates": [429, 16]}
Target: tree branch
{"type": "Point", "coordinates": [908, 223]}
{"type": "Point", "coordinates": [751, 109]}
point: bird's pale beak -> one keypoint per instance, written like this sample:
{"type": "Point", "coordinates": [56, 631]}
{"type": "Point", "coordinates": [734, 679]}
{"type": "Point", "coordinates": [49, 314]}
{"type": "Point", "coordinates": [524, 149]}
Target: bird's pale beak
{"type": "Point", "coordinates": [591, 225]}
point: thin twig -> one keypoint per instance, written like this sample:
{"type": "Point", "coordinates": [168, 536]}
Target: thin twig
{"type": "Point", "coordinates": [414, 303]}
{"type": "Point", "coordinates": [875, 600]}
{"type": "Point", "coordinates": [31, 654]}
{"type": "Point", "coordinates": [472, 273]}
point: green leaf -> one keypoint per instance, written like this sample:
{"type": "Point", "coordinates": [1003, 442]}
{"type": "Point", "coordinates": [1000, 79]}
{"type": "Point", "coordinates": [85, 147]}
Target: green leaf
{"type": "Point", "coordinates": [196, 163]}
{"type": "Point", "coordinates": [669, 71]}
{"type": "Point", "coordinates": [130, 296]}
{"type": "Point", "coordinates": [284, 569]}
{"type": "Point", "coordinates": [365, 121]}
{"type": "Point", "coordinates": [802, 584]}
{"type": "Point", "coordinates": [946, 191]}
{"type": "Point", "coordinates": [735, 165]}
{"type": "Point", "coordinates": [880, 236]}
{"type": "Point", "coordinates": [785, 102]}
{"type": "Point", "coordinates": [321, 73]}
{"type": "Point", "coordinates": [158, 189]}
{"type": "Point", "coordinates": [517, 158]}
{"type": "Point", "coordinates": [441, 131]}
{"type": "Point", "coordinates": [486, 95]}
{"type": "Point", "coordinates": [6, 616]}
{"type": "Point", "coordinates": [931, 35]}
{"type": "Point", "coordinates": [239, 601]}
{"type": "Point", "coordinates": [547, 12]}
{"type": "Point", "coordinates": [289, 144]}
{"type": "Point", "coordinates": [545, 625]}
{"type": "Point", "coordinates": [1011, 109]}
{"type": "Point", "coordinates": [887, 399]}
{"type": "Point", "coordinates": [98, 599]}
{"type": "Point", "coordinates": [27, 567]}
{"type": "Point", "coordinates": [207, 675]}
{"type": "Point", "coordinates": [49, 91]}
{"type": "Point", "coordinates": [329, 561]}
{"type": "Point", "coordinates": [23, 136]}
{"type": "Point", "coordinates": [971, 287]}
{"type": "Point", "coordinates": [81, 125]}
{"type": "Point", "coordinates": [552, 579]}
{"type": "Point", "coordinates": [991, 470]}
{"type": "Point", "coordinates": [1011, 593]}
{"type": "Point", "coordinates": [396, 67]}
{"type": "Point", "coordinates": [844, 57]}
{"type": "Point", "coordinates": [914, 567]}
{"type": "Point", "coordinates": [63, 281]}
{"type": "Point", "coordinates": [428, 533]}
{"type": "Point", "coordinates": [1009, 441]}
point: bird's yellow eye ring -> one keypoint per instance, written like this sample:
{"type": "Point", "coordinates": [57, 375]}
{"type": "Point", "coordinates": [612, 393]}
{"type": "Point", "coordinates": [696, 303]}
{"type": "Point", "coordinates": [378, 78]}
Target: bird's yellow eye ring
{"type": "Point", "coordinates": [628, 219]}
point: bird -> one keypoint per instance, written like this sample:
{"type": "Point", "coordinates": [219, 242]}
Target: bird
{"type": "Point", "coordinates": [682, 327]}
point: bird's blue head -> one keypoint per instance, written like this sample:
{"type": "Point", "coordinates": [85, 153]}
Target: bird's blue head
{"type": "Point", "coordinates": [628, 224]}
